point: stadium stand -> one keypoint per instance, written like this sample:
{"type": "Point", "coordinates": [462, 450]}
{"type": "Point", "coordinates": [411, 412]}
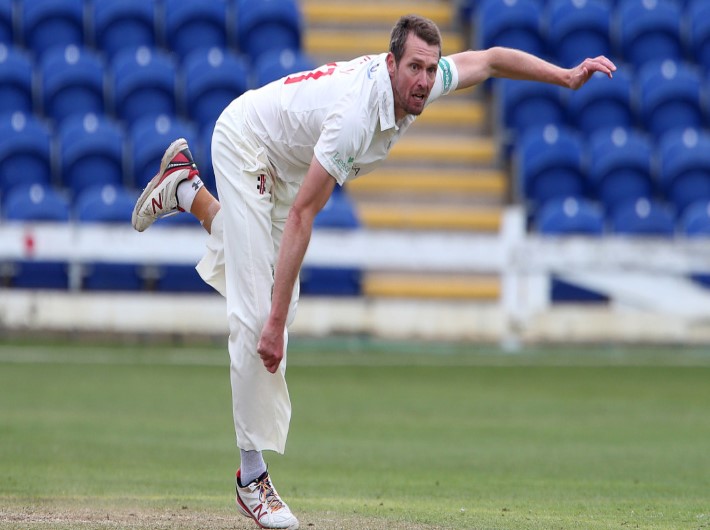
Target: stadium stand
{"type": "Point", "coordinates": [577, 29]}
{"type": "Point", "coordinates": [511, 23]}
{"type": "Point", "coordinates": [646, 30]}
{"type": "Point", "coordinates": [620, 167]}
{"type": "Point", "coordinates": [144, 83]}
{"type": "Point", "coordinates": [603, 104]}
{"type": "Point", "coordinates": [7, 24]}
{"type": "Point", "coordinates": [695, 220]}
{"type": "Point", "coordinates": [71, 82]}
{"type": "Point", "coordinates": [697, 20]}
{"type": "Point", "coordinates": [124, 25]}
{"type": "Point", "coordinates": [670, 96]}
{"type": "Point", "coordinates": [112, 205]}
{"type": "Point", "coordinates": [268, 25]}
{"type": "Point", "coordinates": [36, 203]}
{"type": "Point", "coordinates": [524, 105]}
{"type": "Point", "coordinates": [684, 166]}
{"type": "Point", "coordinates": [16, 70]}
{"type": "Point", "coordinates": [211, 78]}
{"type": "Point", "coordinates": [91, 152]}
{"type": "Point", "coordinates": [189, 25]}
{"type": "Point", "coordinates": [549, 165]}
{"type": "Point", "coordinates": [570, 215]}
{"type": "Point", "coordinates": [643, 218]}
{"type": "Point", "coordinates": [25, 151]}
{"type": "Point", "coordinates": [47, 23]}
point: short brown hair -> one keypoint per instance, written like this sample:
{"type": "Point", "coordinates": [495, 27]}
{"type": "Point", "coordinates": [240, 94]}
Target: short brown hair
{"type": "Point", "coordinates": [422, 27]}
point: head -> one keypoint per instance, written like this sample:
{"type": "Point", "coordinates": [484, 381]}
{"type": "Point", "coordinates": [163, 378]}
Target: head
{"type": "Point", "coordinates": [415, 50]}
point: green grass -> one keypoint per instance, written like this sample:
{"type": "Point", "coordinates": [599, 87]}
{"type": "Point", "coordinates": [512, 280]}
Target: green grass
{"type": "Point", "coordinates": [460, 437]}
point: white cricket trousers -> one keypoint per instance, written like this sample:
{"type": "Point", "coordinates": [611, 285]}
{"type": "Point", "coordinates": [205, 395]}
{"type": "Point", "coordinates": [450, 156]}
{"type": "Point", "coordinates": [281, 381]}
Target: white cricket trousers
{"type": "Point", "coordinates": [239, 263]}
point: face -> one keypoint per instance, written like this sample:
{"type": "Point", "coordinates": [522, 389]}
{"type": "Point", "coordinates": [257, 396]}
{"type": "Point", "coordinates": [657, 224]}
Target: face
{"type": "Point", "coordinates": [413, 79]}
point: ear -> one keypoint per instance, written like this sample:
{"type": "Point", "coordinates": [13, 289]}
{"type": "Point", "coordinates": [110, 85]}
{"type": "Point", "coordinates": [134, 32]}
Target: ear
{"type": "Point", "coordinates": [391, 65]}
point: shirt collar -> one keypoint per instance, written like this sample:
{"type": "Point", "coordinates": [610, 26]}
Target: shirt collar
{"type": "Point", "coordinates": [385, 97]}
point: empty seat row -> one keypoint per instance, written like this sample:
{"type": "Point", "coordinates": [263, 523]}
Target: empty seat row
{"type": "Point", "coordinates": [613, 167]}
{"type": "Point", "coordinates": [109, 204]}
{"type": "Point", "coordinates": [642, 217]}
{"type": "Point", "coordinates": [661, 96]}
{"type": "Point", "coordinates": [135, 83]}
{"type": "Point", "coordinates": [630, 31]}
{"type": "Point", "coordinates": [252, 27]}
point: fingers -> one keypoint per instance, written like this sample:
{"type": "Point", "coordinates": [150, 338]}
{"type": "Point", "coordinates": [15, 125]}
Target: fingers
{"type": "Point", "coordinates": [601, 64]}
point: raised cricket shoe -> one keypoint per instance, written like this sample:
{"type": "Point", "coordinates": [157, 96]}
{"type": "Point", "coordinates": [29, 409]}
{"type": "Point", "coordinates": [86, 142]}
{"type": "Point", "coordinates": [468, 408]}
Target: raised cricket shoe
{"type": "Point", "coordinates": [260, 501]}
{"type": "Point", "coordinates": [159, 198]}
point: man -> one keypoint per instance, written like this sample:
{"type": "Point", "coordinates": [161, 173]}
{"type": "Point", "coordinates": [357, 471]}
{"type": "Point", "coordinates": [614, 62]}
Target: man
{"type": "Point", "coordinates": [278, 153]}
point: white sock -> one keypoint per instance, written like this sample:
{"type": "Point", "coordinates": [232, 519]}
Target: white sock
{"type": "Point", "coordinates": [186, 192]}
{"type": "Point", "coordinates": [252, 466]}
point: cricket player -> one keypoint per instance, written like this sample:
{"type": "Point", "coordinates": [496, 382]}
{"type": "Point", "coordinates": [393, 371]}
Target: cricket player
{"type": "Point", "coordinates": [278, 152]}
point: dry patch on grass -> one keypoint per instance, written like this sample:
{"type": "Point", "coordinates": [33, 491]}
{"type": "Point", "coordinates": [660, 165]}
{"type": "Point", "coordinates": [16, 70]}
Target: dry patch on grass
{"type": "Point", "coordinates": [30, 518]}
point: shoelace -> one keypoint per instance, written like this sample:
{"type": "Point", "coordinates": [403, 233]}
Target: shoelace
{"type": "Point", "coordinates": [268, 495]}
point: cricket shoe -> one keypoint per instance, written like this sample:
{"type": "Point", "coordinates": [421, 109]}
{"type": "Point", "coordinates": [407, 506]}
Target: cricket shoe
{"type": "Point", "coordinates": [259, 501]}
{"type": "Point", "coordinates": [159, 198]}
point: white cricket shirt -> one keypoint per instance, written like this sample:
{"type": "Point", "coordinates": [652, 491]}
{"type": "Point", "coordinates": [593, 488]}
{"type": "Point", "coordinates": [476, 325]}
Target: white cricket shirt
{"type": "Point", "coordinates": [343, 112]}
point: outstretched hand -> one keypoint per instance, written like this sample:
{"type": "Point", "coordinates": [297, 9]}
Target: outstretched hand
{"type": "Point", "coordinates": [581, 73]}
{"type": "Point", "coordinates": [271, 346]}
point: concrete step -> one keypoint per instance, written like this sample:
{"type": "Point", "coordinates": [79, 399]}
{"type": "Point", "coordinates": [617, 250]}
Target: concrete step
{"type": "Point", "coordinates": [490, 183]}
{"type": "Point", "coordinates": [430, 286]}
{"type": "Point", "coordinates": [353, 12]}
{"type": "Point", "coordinates": [441, 149]}
{"type": "Point", "coordinates": [451, 111]}
{"type": "Point", "coordinates": [346, 43]}
{"type": "Point", "coordinates": [429, 216]}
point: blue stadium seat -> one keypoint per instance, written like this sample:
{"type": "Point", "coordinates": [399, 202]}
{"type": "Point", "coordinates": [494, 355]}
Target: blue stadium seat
{"type": "Point", "coordinates": [71, 82]}
{"type": "Point", "coordinates": [15, 81]}
{"type": "Point", "coordinates": [149, 138]}
{"type": "Point", "coordinates": [670, 97]}
{"type": "Point", "coordinates": [602, 104]}
{"type": "Point", "coordinates": [698, 32]}
{"type": "Point", "coordinates": [190, 25]}
{"type": "Point", "coordinates": [339, 212]}
{"type": "Point", "coordinates": [278, 64]}
{"type": "Point", "coordinates": [7, 24]}
{"type": "Point", "coordinates": [91, 152]}
{"type": "Point", "coordinates": [548, 163]}
{"type": "Point", "coordinates": [25, 151]}
{"type": "Point", "coordinates": [268, 25]}
{"type": "Point", "coordinates": [648, 30]}
{"type": "Point", "coordinates": [570, 215]}
{"type": "Point", "coordinates": [181, 279]}
{"type": "Point", "coordinates": [123, 25]}
{"type": "Point", "coordinates": [620, 167]}
{"type": "Point", "coordinates": [684, 160]}
{"type": "Point", "coordinates": [108, 205]}
{"type": "Point", "coordinates": [643, 217]}
{"type": "Point", "coordinates": [50, 23]}
{"type": "Point", "coordinates": [577, 29]}
{"type": "Point", "coordinates": [144, 84]}
{"type": "Point", "coordinates": [695, 220]}
{"type": "Point", "coordinates": [510, 23]}
{"type": "Point", "coordinates": [212, 79]}
{"type": "Point", "coordinates": [522, 105]}
{"type": "Point", "coordinates": [36, 204]}
{"type": "Point", "coordinates": [105, 203]}
{"type": "Point", "coordinates": [316, 280]}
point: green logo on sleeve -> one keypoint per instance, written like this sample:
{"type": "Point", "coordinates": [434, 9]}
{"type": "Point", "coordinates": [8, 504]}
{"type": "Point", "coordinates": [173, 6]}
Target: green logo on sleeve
{"type": "Point", "coordinates": [445, 68]}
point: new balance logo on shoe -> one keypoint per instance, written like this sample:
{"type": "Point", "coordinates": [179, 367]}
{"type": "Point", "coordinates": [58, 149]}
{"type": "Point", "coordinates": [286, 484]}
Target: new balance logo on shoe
{"type": "Point", "coordinates": [157, 203]}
